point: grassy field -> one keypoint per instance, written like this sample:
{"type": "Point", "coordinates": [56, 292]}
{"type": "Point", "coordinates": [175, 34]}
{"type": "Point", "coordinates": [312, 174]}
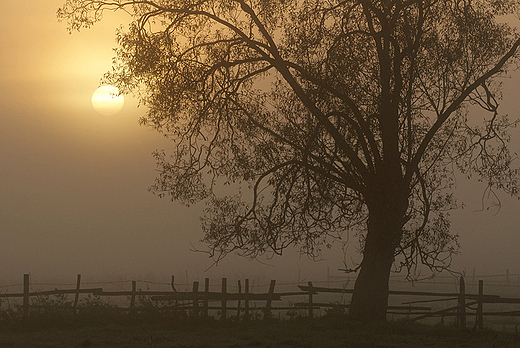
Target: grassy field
{"type": "Point", "coordinates": [302, 332]}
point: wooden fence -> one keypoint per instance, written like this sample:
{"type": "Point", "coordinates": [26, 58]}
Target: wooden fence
{"type": "Point", "coordinates": [243, 303]}
{"type": "Point", "coordinates": [467, 304]}
{"type": "Point", "coordinates": [198, 302]}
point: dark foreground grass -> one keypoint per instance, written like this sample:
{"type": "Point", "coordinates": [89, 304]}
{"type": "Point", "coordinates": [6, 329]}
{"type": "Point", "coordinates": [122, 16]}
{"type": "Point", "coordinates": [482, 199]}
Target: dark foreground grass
{"type": "Point", "coordinates": [301, 332]}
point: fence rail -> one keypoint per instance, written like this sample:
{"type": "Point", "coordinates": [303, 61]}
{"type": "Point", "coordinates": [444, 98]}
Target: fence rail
{"type": "Point", "coordinates": [244, 301]}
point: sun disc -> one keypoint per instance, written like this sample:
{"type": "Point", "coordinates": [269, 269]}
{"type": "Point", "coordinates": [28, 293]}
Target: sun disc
{"type": "Point", "coordinates": [107, 100]}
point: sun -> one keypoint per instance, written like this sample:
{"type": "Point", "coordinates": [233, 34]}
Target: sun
{"type": "Point", "coordinates": [107, 100]}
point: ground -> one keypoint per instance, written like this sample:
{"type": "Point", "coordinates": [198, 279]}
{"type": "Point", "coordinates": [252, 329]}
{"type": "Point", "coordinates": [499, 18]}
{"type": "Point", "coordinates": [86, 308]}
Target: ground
{"type": "Point", "coordinates": [303, 332]}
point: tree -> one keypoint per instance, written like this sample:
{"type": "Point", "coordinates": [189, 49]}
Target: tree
{"type": "Point", "coordinates": [326, 116]}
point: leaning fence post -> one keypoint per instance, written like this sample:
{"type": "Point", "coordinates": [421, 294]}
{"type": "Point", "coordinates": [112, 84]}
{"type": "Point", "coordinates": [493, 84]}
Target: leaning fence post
{"type": "Point", "coordinates": [174, 290]}
{"type": "Point", "coordinates": [132, 298]}
{"type": "Point", "coordinates": [76, 297]}
{"type": "Point", "coordinates": [239, 298]}
{"type": "Point", "coordinates": [480, 314]}
{"type": "Point", "coordinates": [196, 298]}
{"type": "Point", "coordinates": [311, 309]}
{"type": "Point", "coordinates": [267, 312]}
{"type": "Point", "coordinates": [224, 299]}
{"type": "Point", "coordinates": [206, 297]}
{"type": "Point", "coordinates": [246, 299]}
{"type": "Point", "coordinates": [25, 297]}
{"type": "Point", "coordinates": [462, 304]}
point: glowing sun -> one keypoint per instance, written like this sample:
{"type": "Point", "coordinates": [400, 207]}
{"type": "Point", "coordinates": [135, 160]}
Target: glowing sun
{"type": "Point", "coordinates": [107, 101]}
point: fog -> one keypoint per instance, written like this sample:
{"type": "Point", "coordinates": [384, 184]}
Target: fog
{"type": "Point", "coordinates": [73, 183]}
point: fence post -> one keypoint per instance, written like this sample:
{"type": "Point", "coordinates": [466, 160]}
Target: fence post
{"type": "Point", "coordinates": [239, 298]}
{"type": "Point", "coordinates": [206, 297]}
{"type": "Point", "coordinates": [462, 304]}
{"type": "Point", "coordinates": [224, 300]}
{"type": "Point", "coordinates": [76, 297]}
{"type": "Point", "coordinates": [267, 313]}
{"type": "Point", "coordinates": [311, 292]}
{"type": "Point", "coordinates": [132, 298]}
{"type": "Point", "coordinates": [25, 297]}
{"type": "Point", "coordinates": [246, 300]}
{"type": "Point", "coordinates": [172, 284]}
{"type": "Point", "coordinates": [174, 290]}
{"type": "Point", "coordinates": [480, 316]}
{"type": "Point", "coordinates": [196, 298]}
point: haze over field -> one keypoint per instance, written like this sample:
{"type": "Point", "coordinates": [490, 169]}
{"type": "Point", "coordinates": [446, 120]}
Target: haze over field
{"type": "Point", "coordinates": [73, 183]}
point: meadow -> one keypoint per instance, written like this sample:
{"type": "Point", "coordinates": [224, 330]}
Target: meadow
{"type": "Point", "coordinates": [137, 318]}
{"type": "Point", "coordinates": [328, 331]}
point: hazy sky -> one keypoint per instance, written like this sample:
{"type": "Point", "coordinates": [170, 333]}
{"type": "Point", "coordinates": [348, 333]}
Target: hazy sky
{"type": "Point", "coordinates": [73, 183]}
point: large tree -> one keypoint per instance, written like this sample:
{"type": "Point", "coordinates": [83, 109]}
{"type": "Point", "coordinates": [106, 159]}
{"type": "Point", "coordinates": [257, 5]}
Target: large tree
{"type": "Point", "coordinates": [323, 116]}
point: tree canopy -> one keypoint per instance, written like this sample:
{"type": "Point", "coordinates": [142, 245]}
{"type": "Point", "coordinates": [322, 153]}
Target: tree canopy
{"type": "Point", "coordinates": [325, 116]}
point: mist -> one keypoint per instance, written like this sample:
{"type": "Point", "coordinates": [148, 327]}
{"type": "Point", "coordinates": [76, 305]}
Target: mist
{"type": "Point", "coordinates": [74, 184]}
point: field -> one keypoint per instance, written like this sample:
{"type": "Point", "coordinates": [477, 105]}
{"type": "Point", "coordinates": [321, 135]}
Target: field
{"type": "Point", "coordinates": [329, 331]}
{"type": "Point", "coordinates": [178, 317]}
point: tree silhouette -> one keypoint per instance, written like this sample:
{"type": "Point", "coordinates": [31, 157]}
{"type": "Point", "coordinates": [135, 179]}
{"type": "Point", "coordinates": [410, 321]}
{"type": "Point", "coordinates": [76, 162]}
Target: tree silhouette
{"type": "Point", "coordinates": [326, 116]}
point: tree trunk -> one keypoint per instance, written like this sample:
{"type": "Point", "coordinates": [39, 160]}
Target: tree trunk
{"type": "Point", "coordinates": [370, 298]}
{"type": "Point", "coordinates": [385, 223]}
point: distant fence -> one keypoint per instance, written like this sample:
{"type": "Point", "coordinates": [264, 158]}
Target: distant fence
{"type": "Point", "coordinates": [244, 302]}
{"type": "Point", "coordinates": [508, 278]}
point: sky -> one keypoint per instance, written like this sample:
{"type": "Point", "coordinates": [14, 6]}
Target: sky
{"type": "Point", "coordinates": [73, 183]}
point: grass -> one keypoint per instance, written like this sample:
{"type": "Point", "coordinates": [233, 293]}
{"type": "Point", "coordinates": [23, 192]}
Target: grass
{"type": "Point", "coordinates": [299, 332]}
{"type": "Point", "coordinates": [52, 324]}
